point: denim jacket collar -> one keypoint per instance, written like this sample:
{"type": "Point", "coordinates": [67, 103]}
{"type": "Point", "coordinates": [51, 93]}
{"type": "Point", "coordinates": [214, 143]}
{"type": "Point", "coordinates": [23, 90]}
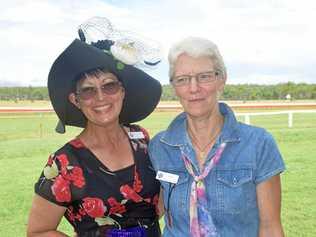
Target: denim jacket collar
{"type": "Point", "coordinates": [176, 134]}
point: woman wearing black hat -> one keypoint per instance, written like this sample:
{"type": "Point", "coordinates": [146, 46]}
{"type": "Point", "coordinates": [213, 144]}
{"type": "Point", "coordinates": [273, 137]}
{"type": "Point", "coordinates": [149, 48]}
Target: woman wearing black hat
{"type": "Point", "coordinates": [102, 180]}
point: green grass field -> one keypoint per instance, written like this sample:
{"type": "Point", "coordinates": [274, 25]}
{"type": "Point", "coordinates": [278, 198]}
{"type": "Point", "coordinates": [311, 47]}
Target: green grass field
{"type": "Point", "coordinates": [27, 140]}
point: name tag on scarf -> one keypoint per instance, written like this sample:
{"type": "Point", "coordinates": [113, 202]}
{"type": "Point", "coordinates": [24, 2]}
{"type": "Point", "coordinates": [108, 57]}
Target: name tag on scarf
{"type": "Point", "coordinates": [136, 135]}
{"type": "Point", "coordinates": [167, 177]}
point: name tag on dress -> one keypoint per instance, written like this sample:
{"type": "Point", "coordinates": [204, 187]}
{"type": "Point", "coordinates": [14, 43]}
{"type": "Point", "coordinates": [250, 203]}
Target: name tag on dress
{"type": "Point", "coordinates": [136, 135]}
{"type": "Point", "coordinates": [167, 177]}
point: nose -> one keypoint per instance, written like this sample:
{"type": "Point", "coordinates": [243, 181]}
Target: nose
{"type": "Point", "coordinates": [193, 85]}
{"type": "Point", "coordinates": [99, 95]}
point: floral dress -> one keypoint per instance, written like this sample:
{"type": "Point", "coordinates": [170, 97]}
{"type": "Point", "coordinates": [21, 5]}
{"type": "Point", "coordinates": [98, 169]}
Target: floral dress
{"type": "Point", "coordinates": [96, 198]}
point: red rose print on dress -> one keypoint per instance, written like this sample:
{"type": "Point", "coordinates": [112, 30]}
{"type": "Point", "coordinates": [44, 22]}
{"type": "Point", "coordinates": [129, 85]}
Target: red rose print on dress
{"type": "Point", "coordinates": [77, 143]}
{"type": "Point", "coordinates": [137, 185]}
{"type": "Point", "coordinates": [130, 193]}
{"type": "Point", "coordinates": [76, 175]}
{"type": "Point", "coordinates": [61, 189]}
{"type": "Point", "coordinates": [63, 159]}
{"type": "Point", "coordinates": [50, 160]}
{"type": "Point", "coordinates": [94, 207]}
{"type": "Point", "coordinates": [63, 177]}
{"type": "Point", "coordinates": [116, 207]}
{"type": "Point", "coordinates": [155, 202]}
{"type": "Point", "coordinates": [72, 216]}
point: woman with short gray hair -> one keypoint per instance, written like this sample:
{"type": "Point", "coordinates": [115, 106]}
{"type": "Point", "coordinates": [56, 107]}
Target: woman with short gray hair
{"type": "Point", "coordinates": [219, 177]}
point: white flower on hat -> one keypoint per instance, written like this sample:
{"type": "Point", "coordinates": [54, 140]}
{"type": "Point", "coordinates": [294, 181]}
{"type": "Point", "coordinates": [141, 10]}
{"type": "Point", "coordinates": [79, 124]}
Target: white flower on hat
{"type": "Point", "coordinates": [127, 47]}
{"type": "Point", "coordinates": [125, 51]}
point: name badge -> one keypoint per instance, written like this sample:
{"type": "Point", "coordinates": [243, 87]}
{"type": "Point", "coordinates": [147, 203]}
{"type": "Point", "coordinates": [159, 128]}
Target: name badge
{"type": "Point", "coordinates": [136, 135]}
{"type": "Point", "coordinates": [167, 177]}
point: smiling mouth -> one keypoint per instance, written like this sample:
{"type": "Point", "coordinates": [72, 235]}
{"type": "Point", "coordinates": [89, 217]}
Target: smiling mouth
{"type": "Point", "coordinates": [196, 100]}
{"type": "Point", "coordinates": [102, 108]}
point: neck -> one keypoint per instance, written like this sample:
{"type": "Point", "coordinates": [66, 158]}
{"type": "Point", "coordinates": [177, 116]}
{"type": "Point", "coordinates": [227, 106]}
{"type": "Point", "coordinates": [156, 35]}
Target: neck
{"type": "Point", "coordinates": [203, 132]}
{"type": "Point", "coordinates": [95, 136]}
{"type": "Point", "coordinates": [205, 127]}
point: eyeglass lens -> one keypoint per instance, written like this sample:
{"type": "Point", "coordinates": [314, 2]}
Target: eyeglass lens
{"type": "Point", "coordinates": [203, 77]}
{"type": "Point", "coordinates": [110, 88]}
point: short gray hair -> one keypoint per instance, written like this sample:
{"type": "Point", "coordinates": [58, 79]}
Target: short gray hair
{"type": "Point", "coordinates": [196, 47]}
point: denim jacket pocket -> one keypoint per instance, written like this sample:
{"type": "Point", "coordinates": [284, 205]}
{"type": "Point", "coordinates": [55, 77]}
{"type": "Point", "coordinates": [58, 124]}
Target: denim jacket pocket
{"type": "Point", "coordinates": [236, 189]}
{"type": "Point", "coordinates": [234, 178]}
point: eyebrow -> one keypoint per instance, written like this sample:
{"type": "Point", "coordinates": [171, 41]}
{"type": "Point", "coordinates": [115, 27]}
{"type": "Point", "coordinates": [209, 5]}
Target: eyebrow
{"type": "Point", "coordinates": [192, 74]}
{"type": "Point", "coordinates": [109, 79]}
{"type": "Point", "coordinates": [103, 81]}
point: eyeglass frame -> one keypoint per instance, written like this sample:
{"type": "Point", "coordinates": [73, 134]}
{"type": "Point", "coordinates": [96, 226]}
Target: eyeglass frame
{"type": "Point", "coordinates": [95, 90]}
{"type": "Point", "coordinates": [188, 78]}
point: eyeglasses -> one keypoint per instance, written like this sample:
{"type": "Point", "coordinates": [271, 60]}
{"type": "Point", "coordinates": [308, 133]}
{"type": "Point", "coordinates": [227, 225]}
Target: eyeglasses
{"type": "Point", "coordinates": [89, 92]}
{"type": "Point", "coordinates": [202, 77]}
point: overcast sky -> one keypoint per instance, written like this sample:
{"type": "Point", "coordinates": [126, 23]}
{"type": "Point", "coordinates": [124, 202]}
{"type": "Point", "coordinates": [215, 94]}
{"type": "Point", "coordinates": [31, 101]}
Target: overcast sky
{"type": "Point", "coordinates": [262, 41]}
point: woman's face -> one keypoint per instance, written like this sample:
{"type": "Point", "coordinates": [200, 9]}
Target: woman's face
{"type": "Point", "coordinates": [100, 98]}
{"type": "Point", "coordinates": [198, 99]}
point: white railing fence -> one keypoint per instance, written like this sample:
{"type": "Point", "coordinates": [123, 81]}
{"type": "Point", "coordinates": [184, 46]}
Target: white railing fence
{"type": "Point", "coordinates": [289, 113]}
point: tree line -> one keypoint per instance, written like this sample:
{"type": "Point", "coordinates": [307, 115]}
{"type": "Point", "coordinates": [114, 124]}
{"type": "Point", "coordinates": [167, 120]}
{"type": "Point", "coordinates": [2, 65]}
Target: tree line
{"type": "Point", "coordinates": [24, 93]}
{"type": "Point", "coordinates": [245, 92]}
{"type": "Point", "coordinates": [290, 90]}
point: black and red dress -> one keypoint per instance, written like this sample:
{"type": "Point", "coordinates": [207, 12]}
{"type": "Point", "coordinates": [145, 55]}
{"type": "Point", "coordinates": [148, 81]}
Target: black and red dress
{"type": "Point", "coordinates": [98, 199]}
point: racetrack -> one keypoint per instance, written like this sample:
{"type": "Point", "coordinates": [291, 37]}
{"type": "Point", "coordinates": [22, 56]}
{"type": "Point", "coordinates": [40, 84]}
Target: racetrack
{"type": "Point", "coordinates": [175, 106]}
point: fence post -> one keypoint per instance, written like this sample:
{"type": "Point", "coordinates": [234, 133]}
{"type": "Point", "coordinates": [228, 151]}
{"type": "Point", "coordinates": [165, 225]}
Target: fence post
{"type": "Point", "coordinates": [247, 119]}
{"type": "Point", "coordinates": [290, 119]}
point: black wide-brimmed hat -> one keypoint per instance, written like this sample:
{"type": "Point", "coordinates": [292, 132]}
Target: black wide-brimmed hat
{"type": "Point", "coordinates": [142, 92]}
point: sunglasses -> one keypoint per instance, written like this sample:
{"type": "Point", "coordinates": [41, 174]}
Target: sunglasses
{"type": "Point", "coordinates": [89, 92]}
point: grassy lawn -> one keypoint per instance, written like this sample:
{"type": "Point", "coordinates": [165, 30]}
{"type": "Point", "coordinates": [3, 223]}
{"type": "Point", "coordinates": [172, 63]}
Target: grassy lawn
{"type": "Point", "coordinates": [27, 140]}
{"type": "Point", "coordinates": [44, 103]}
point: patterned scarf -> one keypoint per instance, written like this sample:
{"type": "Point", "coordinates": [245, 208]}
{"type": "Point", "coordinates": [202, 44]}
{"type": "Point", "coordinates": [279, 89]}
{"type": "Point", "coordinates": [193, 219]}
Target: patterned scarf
{"type": "Point", "coordinates": [201, 222]}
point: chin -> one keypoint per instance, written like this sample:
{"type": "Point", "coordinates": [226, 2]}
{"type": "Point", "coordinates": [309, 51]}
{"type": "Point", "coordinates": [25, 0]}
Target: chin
{"type": "Point", "coordinates": [196, 113]}
{"type": "Point", "coordinates": [195, 109]}
{"type": "Point", "coordinates": [104, 122]}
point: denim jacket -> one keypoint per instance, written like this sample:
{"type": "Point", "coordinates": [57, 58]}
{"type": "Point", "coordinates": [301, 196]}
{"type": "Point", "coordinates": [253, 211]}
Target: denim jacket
{"type": "Point", "coordinates": [251, 156]}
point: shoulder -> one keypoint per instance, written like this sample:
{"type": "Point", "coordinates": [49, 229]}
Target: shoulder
{"type": "Point", "coordinates": [160, 153]}
{"type": "Point", "coordinates": [261, 141]}
{"type": "Point", "coordinates": [158, 137]}
{"type": "Point", "coordinates": [67, 154]}
{"type": "Point", "coordinates": [256, 141]}
{"type": "Point", "coordinates": [259, 138]}
{"type": "Point", "coordinates": [156, 141]}
{"type": "Point", "coordinates": [61, 174]}
{"type": "Point", "coordinates": [254, 132]}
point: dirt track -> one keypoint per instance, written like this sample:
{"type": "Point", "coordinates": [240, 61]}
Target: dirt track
{"type": "Point", "coordinates": [175, 106]}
